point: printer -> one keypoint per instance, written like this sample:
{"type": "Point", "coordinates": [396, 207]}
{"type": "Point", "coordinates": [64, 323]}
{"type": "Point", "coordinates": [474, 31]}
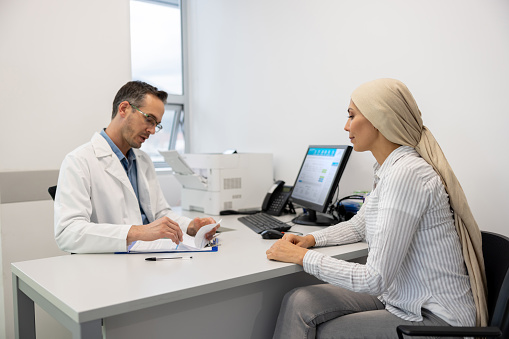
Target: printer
{"type": "Point", "coordinates": [212, 183]}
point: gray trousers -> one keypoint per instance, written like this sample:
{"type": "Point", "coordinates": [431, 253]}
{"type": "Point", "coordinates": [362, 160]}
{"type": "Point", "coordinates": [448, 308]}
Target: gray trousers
{"type": "Point", "coordinates": [327, 311]}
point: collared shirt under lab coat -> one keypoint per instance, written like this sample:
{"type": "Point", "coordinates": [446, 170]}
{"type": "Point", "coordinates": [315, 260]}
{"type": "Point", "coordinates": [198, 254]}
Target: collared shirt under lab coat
{"type": "Point", "coordinates": [95, 204]}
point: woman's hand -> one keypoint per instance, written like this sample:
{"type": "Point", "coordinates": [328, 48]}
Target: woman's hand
{"type": "Point", "coordinates": [291, 248]}
{"type": "Point", "coordinates": [305, 241]}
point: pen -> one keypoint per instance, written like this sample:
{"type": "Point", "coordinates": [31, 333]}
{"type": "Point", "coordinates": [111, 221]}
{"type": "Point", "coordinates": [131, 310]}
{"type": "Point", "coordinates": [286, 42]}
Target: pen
{"type": "Point", "coordinates": [162, 258]}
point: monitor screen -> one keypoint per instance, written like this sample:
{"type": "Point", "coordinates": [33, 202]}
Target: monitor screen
{"type": "Point", "coordinates": [317, 182]}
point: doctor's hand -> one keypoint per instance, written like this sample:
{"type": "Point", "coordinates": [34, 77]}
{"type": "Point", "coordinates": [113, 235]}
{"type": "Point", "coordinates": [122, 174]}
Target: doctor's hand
{"type": "Point", "coordinates": [284, 250]}
{"type": "Point", "coordinates": [198, 223]}
{"type": "Point", "coordinates": [161, 228]}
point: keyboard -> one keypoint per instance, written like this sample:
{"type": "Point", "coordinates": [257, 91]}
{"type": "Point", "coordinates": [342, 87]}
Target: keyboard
{"type": "Point", "coordinates": [260, 222]}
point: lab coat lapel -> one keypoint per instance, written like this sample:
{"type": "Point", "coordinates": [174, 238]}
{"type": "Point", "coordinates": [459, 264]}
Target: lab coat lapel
{"type": "Point", "coordinates": [110, 162]}
{"type": "Point", "coordinates": [143, 186]}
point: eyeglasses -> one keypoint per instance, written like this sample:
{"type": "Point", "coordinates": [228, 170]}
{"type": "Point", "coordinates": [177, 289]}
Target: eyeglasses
{"type": "Point", "coordinates": [149, 119]}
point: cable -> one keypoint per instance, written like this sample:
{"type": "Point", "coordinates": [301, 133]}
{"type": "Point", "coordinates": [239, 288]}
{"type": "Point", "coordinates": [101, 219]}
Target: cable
{"type": "Point", "coordinates": [229, 212]}
{"type": "Point", "coordinates": [339, 211]}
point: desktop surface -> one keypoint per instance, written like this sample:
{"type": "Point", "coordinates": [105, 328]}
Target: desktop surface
{"type": "Point", "coordinates": [95, 286]}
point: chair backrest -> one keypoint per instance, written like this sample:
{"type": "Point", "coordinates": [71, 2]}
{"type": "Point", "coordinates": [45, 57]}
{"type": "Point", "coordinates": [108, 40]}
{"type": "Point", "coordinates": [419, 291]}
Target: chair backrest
{"type": "Point", "coordinates": [52, 191]}
{"type": "Point", "coordinates": [495, 249]}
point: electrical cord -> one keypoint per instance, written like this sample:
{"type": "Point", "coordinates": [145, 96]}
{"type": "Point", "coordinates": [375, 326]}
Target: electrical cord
{"type": "Point", "coordinates": [338, 210]}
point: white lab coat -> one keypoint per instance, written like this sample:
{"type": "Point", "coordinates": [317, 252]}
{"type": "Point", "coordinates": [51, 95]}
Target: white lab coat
{"type": "Point", "coordinates": [95, 204]}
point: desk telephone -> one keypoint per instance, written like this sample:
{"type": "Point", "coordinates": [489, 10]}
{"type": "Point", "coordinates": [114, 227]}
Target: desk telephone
{"type": "Point", "coordinates": [277, 198]}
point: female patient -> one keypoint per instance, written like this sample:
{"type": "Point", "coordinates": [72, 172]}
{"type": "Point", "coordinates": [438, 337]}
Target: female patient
{"type": "Point", "coordinates": [425, 264]}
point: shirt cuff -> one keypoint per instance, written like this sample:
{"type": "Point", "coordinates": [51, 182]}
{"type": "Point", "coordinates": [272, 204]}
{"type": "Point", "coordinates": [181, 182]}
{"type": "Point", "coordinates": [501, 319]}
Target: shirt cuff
{"type": "Point", "coordinates": [311, 262]}
{"type": "Point", "coordinates": [320, 238]}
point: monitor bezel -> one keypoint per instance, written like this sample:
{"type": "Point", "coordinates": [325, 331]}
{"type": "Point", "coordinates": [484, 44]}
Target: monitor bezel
{"type": "Point", "coordinates": [335, 183]}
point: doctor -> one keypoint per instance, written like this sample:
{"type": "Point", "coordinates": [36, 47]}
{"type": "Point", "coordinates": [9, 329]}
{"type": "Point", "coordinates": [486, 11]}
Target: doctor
{"type": "Point", "coordinates": [108, 195]}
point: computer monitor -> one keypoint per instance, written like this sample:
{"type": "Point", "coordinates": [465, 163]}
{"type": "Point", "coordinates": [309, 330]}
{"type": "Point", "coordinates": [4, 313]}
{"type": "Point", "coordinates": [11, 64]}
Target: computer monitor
{"type": "Point", "coordinates": [317, 182]}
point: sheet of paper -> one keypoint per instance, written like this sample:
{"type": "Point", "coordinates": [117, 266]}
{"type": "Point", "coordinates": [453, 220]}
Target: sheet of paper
{"type": "Point", "coordinates": [199, 240]}
{"type": "Point", "coordinates": [154, 246]}
{"type": "Point", "coordinates": [164, 245]}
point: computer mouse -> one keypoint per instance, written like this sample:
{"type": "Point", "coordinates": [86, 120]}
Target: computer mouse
{"type": "Point", "coordinates": [271, 234]}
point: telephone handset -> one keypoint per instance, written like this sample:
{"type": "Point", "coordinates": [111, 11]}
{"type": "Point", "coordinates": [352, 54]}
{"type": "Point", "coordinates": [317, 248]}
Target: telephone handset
{"type": "Point", "coordinates": [277, 198]}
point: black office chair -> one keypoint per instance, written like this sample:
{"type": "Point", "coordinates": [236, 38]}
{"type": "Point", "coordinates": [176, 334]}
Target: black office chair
{"type": "Point", "coordinates": [495, 250]}
{"type": "Point", "coordinates": [52, 191]}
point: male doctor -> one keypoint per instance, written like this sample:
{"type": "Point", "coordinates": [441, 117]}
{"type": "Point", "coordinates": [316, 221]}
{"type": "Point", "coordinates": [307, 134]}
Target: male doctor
{"type": "Point", "coordinates": [108, 195]}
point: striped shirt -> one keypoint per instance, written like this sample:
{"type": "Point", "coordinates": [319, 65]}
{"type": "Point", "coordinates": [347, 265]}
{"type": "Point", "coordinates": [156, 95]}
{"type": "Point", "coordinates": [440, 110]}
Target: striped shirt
{"type": "Point", "coordinates": [414, 253]}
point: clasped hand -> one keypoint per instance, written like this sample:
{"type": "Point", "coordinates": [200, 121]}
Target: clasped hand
{"type": "Point", "coordinates": [291, 248]}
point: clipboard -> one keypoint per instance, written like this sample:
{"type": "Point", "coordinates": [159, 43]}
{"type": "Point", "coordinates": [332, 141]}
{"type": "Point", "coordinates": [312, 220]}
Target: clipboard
{"type": "Point", "coordinates": [189, 244]}
{"type": "Point", "coordinates": [212, 246]}
{"type": "Point", "coordinates": [210, 249]}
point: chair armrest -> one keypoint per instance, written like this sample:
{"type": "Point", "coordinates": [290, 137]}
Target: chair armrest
{"type": "Point", "coordinates": [447, 331]}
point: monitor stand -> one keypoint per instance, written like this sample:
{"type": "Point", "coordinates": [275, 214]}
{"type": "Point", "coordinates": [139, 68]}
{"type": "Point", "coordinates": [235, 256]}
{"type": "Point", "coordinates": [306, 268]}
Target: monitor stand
{"type": "Point", "coordinates": [314, 219]}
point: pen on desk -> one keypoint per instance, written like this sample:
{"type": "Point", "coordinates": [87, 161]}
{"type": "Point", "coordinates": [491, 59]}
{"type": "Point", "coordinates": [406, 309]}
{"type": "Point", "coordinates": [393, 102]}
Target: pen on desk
{"type": "Point", "coordinates": [163, 258]}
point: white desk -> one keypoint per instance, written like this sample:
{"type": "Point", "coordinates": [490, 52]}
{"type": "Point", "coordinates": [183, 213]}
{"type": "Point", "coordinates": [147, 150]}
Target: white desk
{"type": "Point", "coordinates": [233, 293]}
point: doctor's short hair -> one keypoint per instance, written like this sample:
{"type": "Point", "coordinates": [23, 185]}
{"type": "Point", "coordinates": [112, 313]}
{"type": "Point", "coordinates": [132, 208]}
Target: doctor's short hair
{"type": "Point", "coordinates": [134, 92]}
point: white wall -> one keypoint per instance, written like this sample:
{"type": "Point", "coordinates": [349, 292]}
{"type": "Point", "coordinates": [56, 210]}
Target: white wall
{"type": "Point", "coordinates": [26, 234]}
{"type": "Point", "coordinates": [276, 76]}
{"type": "Point", "coordinates": [61, 64]}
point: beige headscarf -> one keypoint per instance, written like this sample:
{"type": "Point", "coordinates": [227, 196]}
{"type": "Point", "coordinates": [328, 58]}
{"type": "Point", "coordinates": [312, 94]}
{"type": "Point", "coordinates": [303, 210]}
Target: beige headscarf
{"type": "Point", "coordinates": [391, 108]}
